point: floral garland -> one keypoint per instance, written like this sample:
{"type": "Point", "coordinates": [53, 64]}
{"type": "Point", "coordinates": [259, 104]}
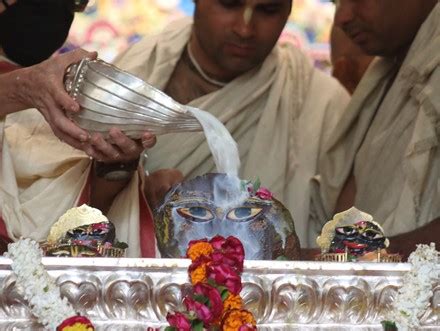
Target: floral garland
{"type": "Point", "coordinates": [215, 303]}
{"type": "Point", "coordinates": [44, 296]}
{"type": "Point", "coordinates": [415, 294]}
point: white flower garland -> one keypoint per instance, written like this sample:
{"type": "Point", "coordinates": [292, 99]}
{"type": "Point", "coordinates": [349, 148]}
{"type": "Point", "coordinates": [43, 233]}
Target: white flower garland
{"type": "Point", "coordinates": [413, 297]}
{"type": "Point", "coordinates": [39, 288]}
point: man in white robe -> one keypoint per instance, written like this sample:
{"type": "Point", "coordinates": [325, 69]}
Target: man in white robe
{"type": "Point", "coordinates": [276, 105]}
{"type": "Point", "coordinates": [383, 157]}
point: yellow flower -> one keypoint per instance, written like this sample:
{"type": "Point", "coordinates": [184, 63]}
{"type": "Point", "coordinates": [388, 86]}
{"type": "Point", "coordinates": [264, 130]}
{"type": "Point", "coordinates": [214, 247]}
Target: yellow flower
{"type": "Point", "coordinates": [201, 248]}
{"type": "Point", "coordinates": [78, 327]}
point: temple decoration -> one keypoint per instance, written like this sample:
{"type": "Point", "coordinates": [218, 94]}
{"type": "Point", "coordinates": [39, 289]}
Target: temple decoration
{"type": "Point", "coordinates": [215, 302]}
{"type": "Point", "coordinates": [41, 291]}
{"type": "Point", "coordinates": [413, 298]}
{"type": "Point", "coordinates": [83, 231]}
{"type": "Point", "coordinates": [210, 205]}
{"type": "Point", "coordinates": [354, 236]}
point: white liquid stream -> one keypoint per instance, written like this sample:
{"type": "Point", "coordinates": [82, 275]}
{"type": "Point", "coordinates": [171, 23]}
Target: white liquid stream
{"type": "Point", "coordinates": [224, 150]}
{"type": "Point", "coordinates": [223, 147]}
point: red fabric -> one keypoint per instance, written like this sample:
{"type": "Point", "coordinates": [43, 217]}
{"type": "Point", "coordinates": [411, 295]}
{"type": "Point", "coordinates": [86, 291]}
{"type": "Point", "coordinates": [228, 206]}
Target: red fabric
{"type": "Point", "coordinates": [3, 231]}
{"type": "Point", "coordinates": [6, 67]}
{"type": "Point", "coordinates": [147, 236]}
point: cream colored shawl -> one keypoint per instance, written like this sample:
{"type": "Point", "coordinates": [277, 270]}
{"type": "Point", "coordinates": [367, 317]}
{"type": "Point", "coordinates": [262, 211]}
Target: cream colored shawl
{"type": "Point", "coordinates": [393, 143]}
{"type": "Point", "coordinates": [41, 177]}
{"type": "Point", "coordinates": [277, 113]}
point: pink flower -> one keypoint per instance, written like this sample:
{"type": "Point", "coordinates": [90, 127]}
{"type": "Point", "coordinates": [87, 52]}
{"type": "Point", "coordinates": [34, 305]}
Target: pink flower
{"type": "Point", "coordinates": [214, 297]}
{"type": "Point", "coordinates": [231, 252]}
{"type": "Point", "coordinates": [225, 275]}
{"type": "Point", "coordinates": [179, 321]}
{"type": "Point", "coordinates": [217, 242]}
{"type": "Point", "coordinates": [201, 311]}
{"type": "Point", "coordinates": [234, 248]}
{"type": "Point", "coordinates": [264, 194]}
{"type": "Point", "coordinates": [247, 327]}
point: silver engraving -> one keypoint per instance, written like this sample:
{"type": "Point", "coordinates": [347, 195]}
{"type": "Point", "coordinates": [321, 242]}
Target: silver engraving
{"type": "Point", "coordinates": [133, 294]}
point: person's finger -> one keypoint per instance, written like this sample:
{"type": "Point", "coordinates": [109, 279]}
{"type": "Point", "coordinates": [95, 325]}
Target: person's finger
{"type": "Point", "coordinates": [148, 140]}
{"type": "Point", "coordinates": [109, 151]}
{"type": "Point", "coordinates": [64, 100]}
{"type": "Point", "coordinates": [56, 117]}
{"type": "Point", "coordinates": [130, 148]}
{"type": "Point", "coordinates": [67, 139]}
{"type": "Point", "coordinates": [69, 128]}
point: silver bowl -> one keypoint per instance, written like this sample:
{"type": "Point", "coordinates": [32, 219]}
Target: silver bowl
{"type": "Point", "coordinates": [110, 97]}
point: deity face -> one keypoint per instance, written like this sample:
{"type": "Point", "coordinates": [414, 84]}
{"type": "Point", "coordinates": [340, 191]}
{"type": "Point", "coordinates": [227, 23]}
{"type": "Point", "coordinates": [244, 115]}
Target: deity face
{"type": "Point", "coordinates": [208, 206]}
{"type": "Point", "coordinates": [359, 238]}
{"type": "Point", "coordinates": [84, 240]}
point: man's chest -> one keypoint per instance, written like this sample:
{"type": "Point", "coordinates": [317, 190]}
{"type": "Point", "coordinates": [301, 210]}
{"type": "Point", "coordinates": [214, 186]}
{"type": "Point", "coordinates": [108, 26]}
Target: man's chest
{"type": "Point", "coordinates": [185, 85]}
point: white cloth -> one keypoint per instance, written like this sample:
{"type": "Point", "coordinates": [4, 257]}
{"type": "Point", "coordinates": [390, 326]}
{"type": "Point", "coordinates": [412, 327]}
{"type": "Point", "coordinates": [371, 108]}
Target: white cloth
{"type": "Point", "coordinates": [41, 178]}
{"type": "Point", "coordinates": [278, 113]}
{"type": "Point", "coordinates": [389, 138]}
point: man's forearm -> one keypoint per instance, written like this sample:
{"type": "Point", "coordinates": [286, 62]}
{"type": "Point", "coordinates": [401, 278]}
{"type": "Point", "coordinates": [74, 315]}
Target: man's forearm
{"type": "Point", "coordinates": [10, 85]}
{"type": "Point", "coordinates": [406, 243]}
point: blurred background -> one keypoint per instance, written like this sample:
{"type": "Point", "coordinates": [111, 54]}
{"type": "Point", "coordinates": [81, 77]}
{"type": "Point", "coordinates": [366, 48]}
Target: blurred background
{"type": "Point", "coordinates": [110, 26]}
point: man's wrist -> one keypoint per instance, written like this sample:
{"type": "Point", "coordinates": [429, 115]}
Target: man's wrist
{"type": "Point", "coordinates": [20, 88]}
{"type": "Point", "coordinates": [119, 171]}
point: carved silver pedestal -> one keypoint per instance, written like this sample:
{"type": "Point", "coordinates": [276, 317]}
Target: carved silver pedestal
{"type": "Point", "coordinates": [133, 294]}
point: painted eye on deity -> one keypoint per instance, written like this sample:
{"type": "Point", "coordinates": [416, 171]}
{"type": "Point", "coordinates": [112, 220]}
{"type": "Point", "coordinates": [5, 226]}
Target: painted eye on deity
{"type": "Point", "coordinates": [372, 234]}
{"type": "Point", "coordinates": [347, 230]}
{"type": "Point", "coordinates": [197, 214]}
{"type": "Point", "coordinates": [243, 213]}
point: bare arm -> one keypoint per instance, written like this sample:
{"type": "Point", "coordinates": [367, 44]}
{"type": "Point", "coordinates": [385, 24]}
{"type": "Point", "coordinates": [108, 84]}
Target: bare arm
{"type": "Point", "coordinates": [406, 243]}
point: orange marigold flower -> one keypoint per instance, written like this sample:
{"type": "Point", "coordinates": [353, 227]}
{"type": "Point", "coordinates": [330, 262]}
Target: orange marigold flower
{"type": "Point", "coordinates": [198, 275]}
{"type": "Point", "coordinates": [232, 302]}
{"type": "Point", "coordinates": [201, 248]}
{"type": "Point", "coordinates": [237, 318]}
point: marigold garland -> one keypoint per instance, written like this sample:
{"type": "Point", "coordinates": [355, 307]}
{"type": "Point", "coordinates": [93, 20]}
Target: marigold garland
{"type": "Point", "coordinates": [238, 319]}
{"type": "Point", "coordinates": [198, 249]}
{"type": "Point", "coordinates": [232, 302]}
{"type": "Point", "coordinates": [215, 303]}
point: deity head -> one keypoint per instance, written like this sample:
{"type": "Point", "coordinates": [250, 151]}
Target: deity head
{"type": "Point", "coordinates": [358, 238]}
{"type": "Point", "coordinates": [355, 233]}
{"type": "Point", "coordinates": [214, 204]}
{"type": "Point", "coordinates": [83, 231]}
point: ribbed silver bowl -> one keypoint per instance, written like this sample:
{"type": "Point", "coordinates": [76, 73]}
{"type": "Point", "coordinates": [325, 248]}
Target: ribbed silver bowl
{"type": "Point", "coordinates": [110, 97]}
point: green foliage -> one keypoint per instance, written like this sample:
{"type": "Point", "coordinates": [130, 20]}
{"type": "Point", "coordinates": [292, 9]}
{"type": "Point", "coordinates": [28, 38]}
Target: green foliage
{"type": "Point", "coordinates": [389, 326]}
{"type": "Point", "coordinates": [197, 325]}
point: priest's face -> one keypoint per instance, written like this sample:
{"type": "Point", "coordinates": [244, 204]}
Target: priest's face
{"type": "Point", "coordinates": [231, 37]}
{"type": "Point", "coordinates": [382, 27]}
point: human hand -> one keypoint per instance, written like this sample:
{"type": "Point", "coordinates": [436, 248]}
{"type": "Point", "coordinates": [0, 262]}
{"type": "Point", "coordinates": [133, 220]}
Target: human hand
{"type": "Point", "coordinates": [158, 183]}
{"type": "Point", "coordinates": [8, 3]}
{"type": "Point", "coordinates": [117, 147]}
{"type": "Point", "coordinates": [41, 86]}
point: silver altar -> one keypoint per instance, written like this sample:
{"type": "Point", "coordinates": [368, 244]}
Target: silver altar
{"type": "Point", "coordinates": [133, 294]}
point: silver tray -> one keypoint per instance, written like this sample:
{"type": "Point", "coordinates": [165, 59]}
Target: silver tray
{"type": "Point", "coordinates": [132, 294]}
